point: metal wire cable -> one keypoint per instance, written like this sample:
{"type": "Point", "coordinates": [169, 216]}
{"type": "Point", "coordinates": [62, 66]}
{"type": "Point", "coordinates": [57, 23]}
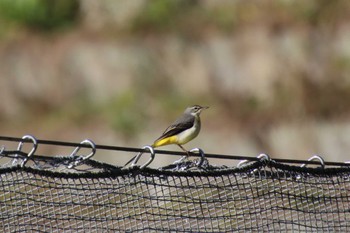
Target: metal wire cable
{"type": "Point", "coordinates": [175, 153]}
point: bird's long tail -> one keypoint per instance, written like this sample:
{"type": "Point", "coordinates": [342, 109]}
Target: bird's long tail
{"type": "Point", "coordinates": [165, 141]}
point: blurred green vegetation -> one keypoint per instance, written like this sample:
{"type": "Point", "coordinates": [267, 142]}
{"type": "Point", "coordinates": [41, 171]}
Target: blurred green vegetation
{"type": "Point", "coordinates": [192, 17]}
{"type": "Point", "coordinates": [183, 16]}
{"type": "Point", "coordinates": [40, 14]}
{"type": "Point", "coordinates": [125, 114]}
{"type": "Point", "coordinates": [163, 15]}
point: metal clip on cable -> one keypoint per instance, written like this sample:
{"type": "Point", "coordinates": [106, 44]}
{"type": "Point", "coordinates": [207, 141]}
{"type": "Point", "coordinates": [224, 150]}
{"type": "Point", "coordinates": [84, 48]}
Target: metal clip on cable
{"type": "Point", "coordinates": [182, 165]}
{"type": "Point", "coordinates": [80, 159]}
{"type": "Point", "coordinates": [2, 149]}
{"type": "Point", "coordinates": [19, 148]}
{"type": "Point", "coordinates": [242, 162]}
{"type": "Point", "coordinates": [135, 159]}
{"type": "Point", "coordinates": [201, 153]}
{"type": "Point", "coordinates": [315, 157]}
{"type": "Point", "coordinates": [264, 158]}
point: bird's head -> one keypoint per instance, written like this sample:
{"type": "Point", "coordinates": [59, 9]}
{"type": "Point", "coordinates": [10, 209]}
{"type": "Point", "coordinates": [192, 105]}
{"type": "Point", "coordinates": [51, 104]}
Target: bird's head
{"type": "Point", "coordinates": [195, 110]}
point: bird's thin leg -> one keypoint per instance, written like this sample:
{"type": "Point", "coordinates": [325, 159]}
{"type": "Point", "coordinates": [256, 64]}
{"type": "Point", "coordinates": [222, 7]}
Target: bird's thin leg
{"type": "Point", "coordinates": [188, 154]}
{"type": "Point", "coordinates": [183, 157]}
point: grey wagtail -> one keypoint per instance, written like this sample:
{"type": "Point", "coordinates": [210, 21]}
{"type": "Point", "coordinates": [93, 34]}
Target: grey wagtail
{"type": "Point", "coordinates": [183, 130]}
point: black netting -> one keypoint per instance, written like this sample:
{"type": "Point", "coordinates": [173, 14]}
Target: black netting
{"type": "Point", "coordinates": [260, 197]}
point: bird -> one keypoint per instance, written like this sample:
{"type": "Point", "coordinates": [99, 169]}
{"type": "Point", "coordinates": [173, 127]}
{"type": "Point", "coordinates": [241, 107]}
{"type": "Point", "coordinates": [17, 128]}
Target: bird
{"type": "Point", "coordinates": [184, 129]}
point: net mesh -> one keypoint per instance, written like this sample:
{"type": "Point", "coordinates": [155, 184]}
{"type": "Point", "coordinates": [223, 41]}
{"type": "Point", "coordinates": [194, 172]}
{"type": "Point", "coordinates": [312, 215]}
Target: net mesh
{"type": "Point", "coordinates": [259, 197]}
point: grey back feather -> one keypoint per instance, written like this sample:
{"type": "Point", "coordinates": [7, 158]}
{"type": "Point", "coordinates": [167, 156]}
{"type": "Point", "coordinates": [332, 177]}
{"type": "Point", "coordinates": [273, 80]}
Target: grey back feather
{"type": "Point", "coordinates": [184, 122]}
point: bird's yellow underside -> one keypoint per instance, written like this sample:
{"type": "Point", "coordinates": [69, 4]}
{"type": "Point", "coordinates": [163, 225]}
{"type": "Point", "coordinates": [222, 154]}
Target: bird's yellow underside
{"type": "Point", "coordinates": [166, 141]}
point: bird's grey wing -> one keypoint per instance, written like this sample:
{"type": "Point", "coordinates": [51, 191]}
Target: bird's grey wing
{"type": "Point", "coordinates": [181, 124]}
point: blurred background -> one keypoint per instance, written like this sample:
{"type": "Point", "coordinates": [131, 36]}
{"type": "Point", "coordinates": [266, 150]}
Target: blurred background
{"type": "Point", "coordinates": [276, 74]}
